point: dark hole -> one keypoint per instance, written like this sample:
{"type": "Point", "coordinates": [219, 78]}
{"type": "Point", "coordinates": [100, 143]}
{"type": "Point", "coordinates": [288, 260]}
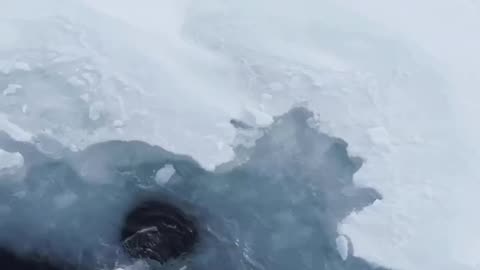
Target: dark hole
{"type": "Point", "coordinates": [12, 261]}
{"type": "Point", "coordinates": [158, 231]}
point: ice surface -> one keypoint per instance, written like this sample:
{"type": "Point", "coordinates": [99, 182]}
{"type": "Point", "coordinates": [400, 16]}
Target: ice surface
{"type": "Point", "coordinates": [397, 80]}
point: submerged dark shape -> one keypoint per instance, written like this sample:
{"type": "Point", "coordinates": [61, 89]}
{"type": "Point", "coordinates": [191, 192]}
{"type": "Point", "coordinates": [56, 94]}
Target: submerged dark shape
{"type": "Point", "coordinates": [12, 261]}
{"type": "Point", "coordinates": [158, 231]}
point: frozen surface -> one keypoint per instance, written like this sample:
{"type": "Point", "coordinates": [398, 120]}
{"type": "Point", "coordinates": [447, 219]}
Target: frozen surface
{"type": "Point", "coordinates": [397, 80]}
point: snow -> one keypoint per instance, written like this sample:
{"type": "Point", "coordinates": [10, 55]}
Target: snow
{"type": "Point", "coordinates": [398, 80]}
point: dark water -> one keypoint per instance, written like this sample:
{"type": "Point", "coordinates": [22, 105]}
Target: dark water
{"type": "Point", "coordinates": [277, 206]}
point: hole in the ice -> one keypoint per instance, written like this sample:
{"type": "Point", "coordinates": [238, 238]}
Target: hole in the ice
{"type": "Point", "coordinates": [158, 231]}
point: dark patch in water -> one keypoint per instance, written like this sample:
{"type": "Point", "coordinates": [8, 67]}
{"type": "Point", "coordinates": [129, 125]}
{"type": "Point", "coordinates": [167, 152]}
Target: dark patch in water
{"type": "Point", "coordinates": [279, 208]}
{"type": "Point", "coordinates": [12, 261]}
{"type": "Point", "coordinates": [158, 231]}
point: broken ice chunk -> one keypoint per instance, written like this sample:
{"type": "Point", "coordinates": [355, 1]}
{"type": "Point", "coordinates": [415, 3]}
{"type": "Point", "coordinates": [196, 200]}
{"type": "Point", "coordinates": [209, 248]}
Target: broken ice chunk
{"type": "Point", "coordinates": [164, 174]}
{"type": "Point", "coordinates": [13, 130]}
{"type": "Point", "coordinates": [342, 246]}
{"type": "Point", "coordinates": [10, 161]}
